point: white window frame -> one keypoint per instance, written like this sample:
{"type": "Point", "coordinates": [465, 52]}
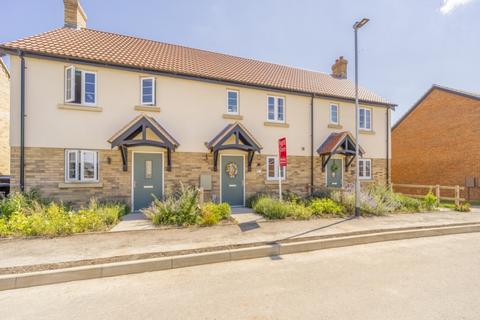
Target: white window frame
{"type": "Point", "coordinates": [275, 178]}
{"type": "Point", "coordinates": [365, 120]}
{"type": "Point", "coordinates": [361, 174]}
{"type": "Point", "coordinates": [84, 92]}
{"type": "Point", "coordinates": [70, 87]}
{"type": "Point", "coordinates": [79, 170]}
{"type": "Point", "coordinates": [154, 89]}
{"type": "Point", "coordinates": [238, 102]}
{"type": "Point", "coordinates": [275, 109]}
{"type": "Point", "coordinates": [332, 105]}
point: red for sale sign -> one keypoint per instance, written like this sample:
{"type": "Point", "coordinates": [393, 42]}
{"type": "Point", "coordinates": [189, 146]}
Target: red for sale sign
{"type": "Point", "coordinates": [282, 151]}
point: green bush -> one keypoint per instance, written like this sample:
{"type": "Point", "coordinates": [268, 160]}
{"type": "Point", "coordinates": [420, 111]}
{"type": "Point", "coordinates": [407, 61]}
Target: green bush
{"type": "Point", "coordinates": [212, 213]}
{"type": "Point", "coordinates": [326, 207]}
{"type": "Point", "coordinates": [290, 196]}
{"type": "Point", "coordinates": [408, 204]}
{"type": "Point", "coordinates": [252, 200]}
{"type": "Point", "coordinates": [298, 211]}
{"type": "Point", "coordinates": [29, 215]}
{"type": "Point", "coordinates": [430, 201]}
{"type": "Point", "coordinates": [461, 207]}
{"type": "Point", "coordinates": [271, 208]}
{"type": "Point", "coordinates": [182, 208]}
{"type": "Point", "coordinates": [321, 192]}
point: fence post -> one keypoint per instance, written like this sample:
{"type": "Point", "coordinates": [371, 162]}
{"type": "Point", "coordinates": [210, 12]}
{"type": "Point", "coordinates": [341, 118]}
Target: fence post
{"type": "Point", "coordinates": [457, 195]}
{"type": "Point", "coordinates": [437, 193]}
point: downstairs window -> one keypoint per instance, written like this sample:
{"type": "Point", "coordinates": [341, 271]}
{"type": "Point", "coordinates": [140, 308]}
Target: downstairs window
{"type": "Point", "coordinates": [81, 166]}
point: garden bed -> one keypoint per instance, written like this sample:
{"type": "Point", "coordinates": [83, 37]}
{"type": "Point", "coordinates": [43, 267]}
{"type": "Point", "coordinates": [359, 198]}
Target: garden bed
{"type": "Point", "coordinates": [28, 215]}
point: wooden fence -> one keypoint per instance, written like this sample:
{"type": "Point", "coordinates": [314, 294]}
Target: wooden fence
{"type": "Point", "coordinates": [436, 188]}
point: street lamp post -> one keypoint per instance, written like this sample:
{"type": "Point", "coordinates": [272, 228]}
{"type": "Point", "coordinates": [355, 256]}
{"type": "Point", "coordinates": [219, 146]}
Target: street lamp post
{"type": "Point", "coordinates": [357, 26]}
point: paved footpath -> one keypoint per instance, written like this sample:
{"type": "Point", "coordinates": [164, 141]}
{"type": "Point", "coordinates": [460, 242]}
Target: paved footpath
{"type": "Point", "coordinates": [435, 278]}
{"type": "Point", "coordinates": [25, 252]}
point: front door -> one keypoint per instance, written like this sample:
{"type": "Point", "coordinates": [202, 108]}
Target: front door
{"type": "Point", "coordinates": [232, 180]}
{"type": "Point", "coordinates": [334, 173]}
{"type": "Point", "coordinates": [147, 179]}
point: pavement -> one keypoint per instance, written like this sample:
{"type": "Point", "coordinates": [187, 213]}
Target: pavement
{"type": "Point", "coordinates": [19, 253]}
{"type": "Point", "coordinates": [433, 278]}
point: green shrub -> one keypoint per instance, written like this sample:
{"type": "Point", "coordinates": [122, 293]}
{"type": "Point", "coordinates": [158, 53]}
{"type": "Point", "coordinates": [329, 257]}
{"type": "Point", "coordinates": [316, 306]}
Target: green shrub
{"type": "Point", "coordinates": [29, 215]}
{"type": "Point", "coordinates": [271, 208]}
{"type": "Point", "coordinates": [182, 208]}
{"type": "Point", "coordinates": [408, 204]}
{"type": "Point", "coordinates": [326, 207]}
{"type": "Point", "coordinates": [290, 196]}
{"type": "Point", "coordinates": [212, 213]}
{"type": "Point", "coordinates": [298, 211]}
{"type": "Point", "coordinates": [430, 201]}
{"type": "Point", "coordinates": [461, 207]}
{"type": "Point", "coordinates": [250, 202]}
{"type": "Point", "coordinates": [321, 192]}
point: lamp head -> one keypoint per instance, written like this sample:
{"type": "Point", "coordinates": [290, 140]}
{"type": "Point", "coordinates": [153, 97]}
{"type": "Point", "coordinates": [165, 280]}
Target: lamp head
{"type": "Point", "coordinates": [360, 23]}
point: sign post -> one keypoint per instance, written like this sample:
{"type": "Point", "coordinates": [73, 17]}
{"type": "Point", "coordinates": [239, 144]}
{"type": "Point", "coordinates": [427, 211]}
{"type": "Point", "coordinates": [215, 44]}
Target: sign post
{"type": "Point", "coordinates": [282, 163]}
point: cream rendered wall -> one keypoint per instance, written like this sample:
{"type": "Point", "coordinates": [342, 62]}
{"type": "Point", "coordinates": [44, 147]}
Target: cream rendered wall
{"type": "Point", "coordinates": [374, 142]}
{"type": "Point", "coordinates": [190, 110]}
{"type": "Point", "coordinates": [4, 120]}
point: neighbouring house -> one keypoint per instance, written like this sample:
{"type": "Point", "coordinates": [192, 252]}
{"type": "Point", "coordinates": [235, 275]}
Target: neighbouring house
{"type": "Point", "coordinates": [434, 142]}
{"type": "Point", "coordinates": [118, 117]}
{"type": "Point", "coordinates": [4, 119]}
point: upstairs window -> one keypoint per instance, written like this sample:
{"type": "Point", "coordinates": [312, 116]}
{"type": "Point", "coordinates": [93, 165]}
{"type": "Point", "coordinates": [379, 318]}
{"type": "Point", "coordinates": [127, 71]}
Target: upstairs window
{"type": "Point", "coordinates": [147, 91]}
{"type": "Point", "coordinates": [276, 109]}
{"type": "Point", "coordinates": [80, 86]}
{"type": "Point", "coordinates": [365, 168]}
{"type": "Point", "coordinates": [334, 113]}
{"type": "Point", "coordinates": [272, 169]}
{"type": "Point", "coordinates": [81, 166]}
{"type": "Point", "coordinates": [232, 102]}
{"type": "Point", "coordinates": [365, 119]}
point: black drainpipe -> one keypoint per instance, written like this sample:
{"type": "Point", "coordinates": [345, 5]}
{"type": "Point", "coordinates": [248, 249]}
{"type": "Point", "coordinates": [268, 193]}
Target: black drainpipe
{"type": "Point", "coordinates": [388, 147]}
{"type": "Point", "coordinates": [22, 122]}
{"type": "Point", "coordinates": [312, 186]}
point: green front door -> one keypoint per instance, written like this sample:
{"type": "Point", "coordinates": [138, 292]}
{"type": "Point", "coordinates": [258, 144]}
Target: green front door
{"type": "Point", "coordinates": [232, 180]}
{"type": "Point", "coordinates": [147, 179]}
{"type": "Point", "coordinates": [334, 173]}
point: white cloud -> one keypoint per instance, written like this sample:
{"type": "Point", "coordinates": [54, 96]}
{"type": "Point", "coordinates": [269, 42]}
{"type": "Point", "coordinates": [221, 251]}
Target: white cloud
{"type": "Point", "coordinates": [450, 5]}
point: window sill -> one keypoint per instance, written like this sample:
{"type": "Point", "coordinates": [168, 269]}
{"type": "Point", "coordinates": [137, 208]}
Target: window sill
{"type": "Point", "coordinates": [79, 185]}
{"type": "Point", "coordinates": [232, 116]}
{"type": "Point", "coordinates": [147, 108]}
{"type": "Point", "coordinates": [366, 131]}
{"type": "Point", "coordinates": [79, 107]}
{"type": "Point", "coordinates": [276, 124]}
{"type": "Point", "coordinates": [275, 182]}
{"type": "Point", "coordinates": [335, 126]}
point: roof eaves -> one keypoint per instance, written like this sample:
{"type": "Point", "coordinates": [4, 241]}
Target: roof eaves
{"type": "Point", "coordinates": [426, 94]}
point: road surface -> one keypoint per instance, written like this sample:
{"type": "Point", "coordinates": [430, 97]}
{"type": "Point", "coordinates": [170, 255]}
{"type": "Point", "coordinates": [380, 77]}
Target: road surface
{"type": "Point", "coordinates": [429, 278]}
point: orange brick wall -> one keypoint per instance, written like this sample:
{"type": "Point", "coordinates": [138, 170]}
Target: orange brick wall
{"type": "Point", "coordinates": [439, 142]}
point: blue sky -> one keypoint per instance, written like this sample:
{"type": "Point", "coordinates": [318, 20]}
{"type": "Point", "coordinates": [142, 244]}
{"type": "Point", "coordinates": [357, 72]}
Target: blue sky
{"type": "Point", "coordinates": [408, 45]}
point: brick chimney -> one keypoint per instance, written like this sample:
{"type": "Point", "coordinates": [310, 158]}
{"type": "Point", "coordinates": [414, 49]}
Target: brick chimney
{"type": "Point", "coordinates": [74, 15]}
{"type": "Point", "coordinates": [339, 68]}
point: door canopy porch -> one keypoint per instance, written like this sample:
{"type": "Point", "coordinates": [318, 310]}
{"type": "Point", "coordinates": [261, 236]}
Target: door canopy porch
{"type": "Point", "coordinates": [143, 131]}
{"type": "Point", "coordinates": [342, 143]}
{"type": "Point", "coordinates": [234, 137]}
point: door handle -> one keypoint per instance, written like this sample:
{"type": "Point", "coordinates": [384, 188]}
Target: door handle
{"type": "Point", "coordinates": [232, 185]}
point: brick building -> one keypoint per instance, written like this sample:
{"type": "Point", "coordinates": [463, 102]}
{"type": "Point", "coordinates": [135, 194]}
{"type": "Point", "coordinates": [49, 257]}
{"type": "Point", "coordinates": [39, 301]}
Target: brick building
{"type": "Point", "coordinates": [437, 141]}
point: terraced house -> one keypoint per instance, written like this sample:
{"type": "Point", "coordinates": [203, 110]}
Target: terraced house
{"type": "Point", "coordinates": [119, 117]}
{"type": "Point", "coordinates": [4, 119]}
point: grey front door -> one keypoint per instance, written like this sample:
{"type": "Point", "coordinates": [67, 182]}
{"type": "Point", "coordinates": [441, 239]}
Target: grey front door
{"type": "Point", "coordinates": [232, 180]}
{"type": "Point", "coordinates": [334, 173]}
{"type": "Point", "coordinates": [147, 179]}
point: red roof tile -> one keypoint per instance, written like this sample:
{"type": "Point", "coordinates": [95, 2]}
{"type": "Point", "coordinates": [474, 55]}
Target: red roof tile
{"type": "Point", "coordinates": [106, 47]}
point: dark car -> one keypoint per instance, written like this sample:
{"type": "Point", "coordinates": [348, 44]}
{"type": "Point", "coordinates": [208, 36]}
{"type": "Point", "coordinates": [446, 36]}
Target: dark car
{"type": "Point", "coordinates": [4, 186]}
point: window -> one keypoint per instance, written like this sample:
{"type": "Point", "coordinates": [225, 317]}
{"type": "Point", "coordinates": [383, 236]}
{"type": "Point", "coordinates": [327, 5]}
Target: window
{"type": "Point", "coordinates": [334, 113]}
{"type": "Point", "coordinates": [148, 91]}
{"type": "Point", "coordinates": [365, 119]}
{"type": "Point", "coordinates": [232, 102]}
{"type": "Point", "coordinates": [81, 165]}
{"type": "Point", "coordinates": [276, 109]}
{"type": "Point", "coordinates": [80, 86]}
{"type": "Point", "coordinates": [365, 168]}
{"type": "Point", "coordinates": [272, 169]}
